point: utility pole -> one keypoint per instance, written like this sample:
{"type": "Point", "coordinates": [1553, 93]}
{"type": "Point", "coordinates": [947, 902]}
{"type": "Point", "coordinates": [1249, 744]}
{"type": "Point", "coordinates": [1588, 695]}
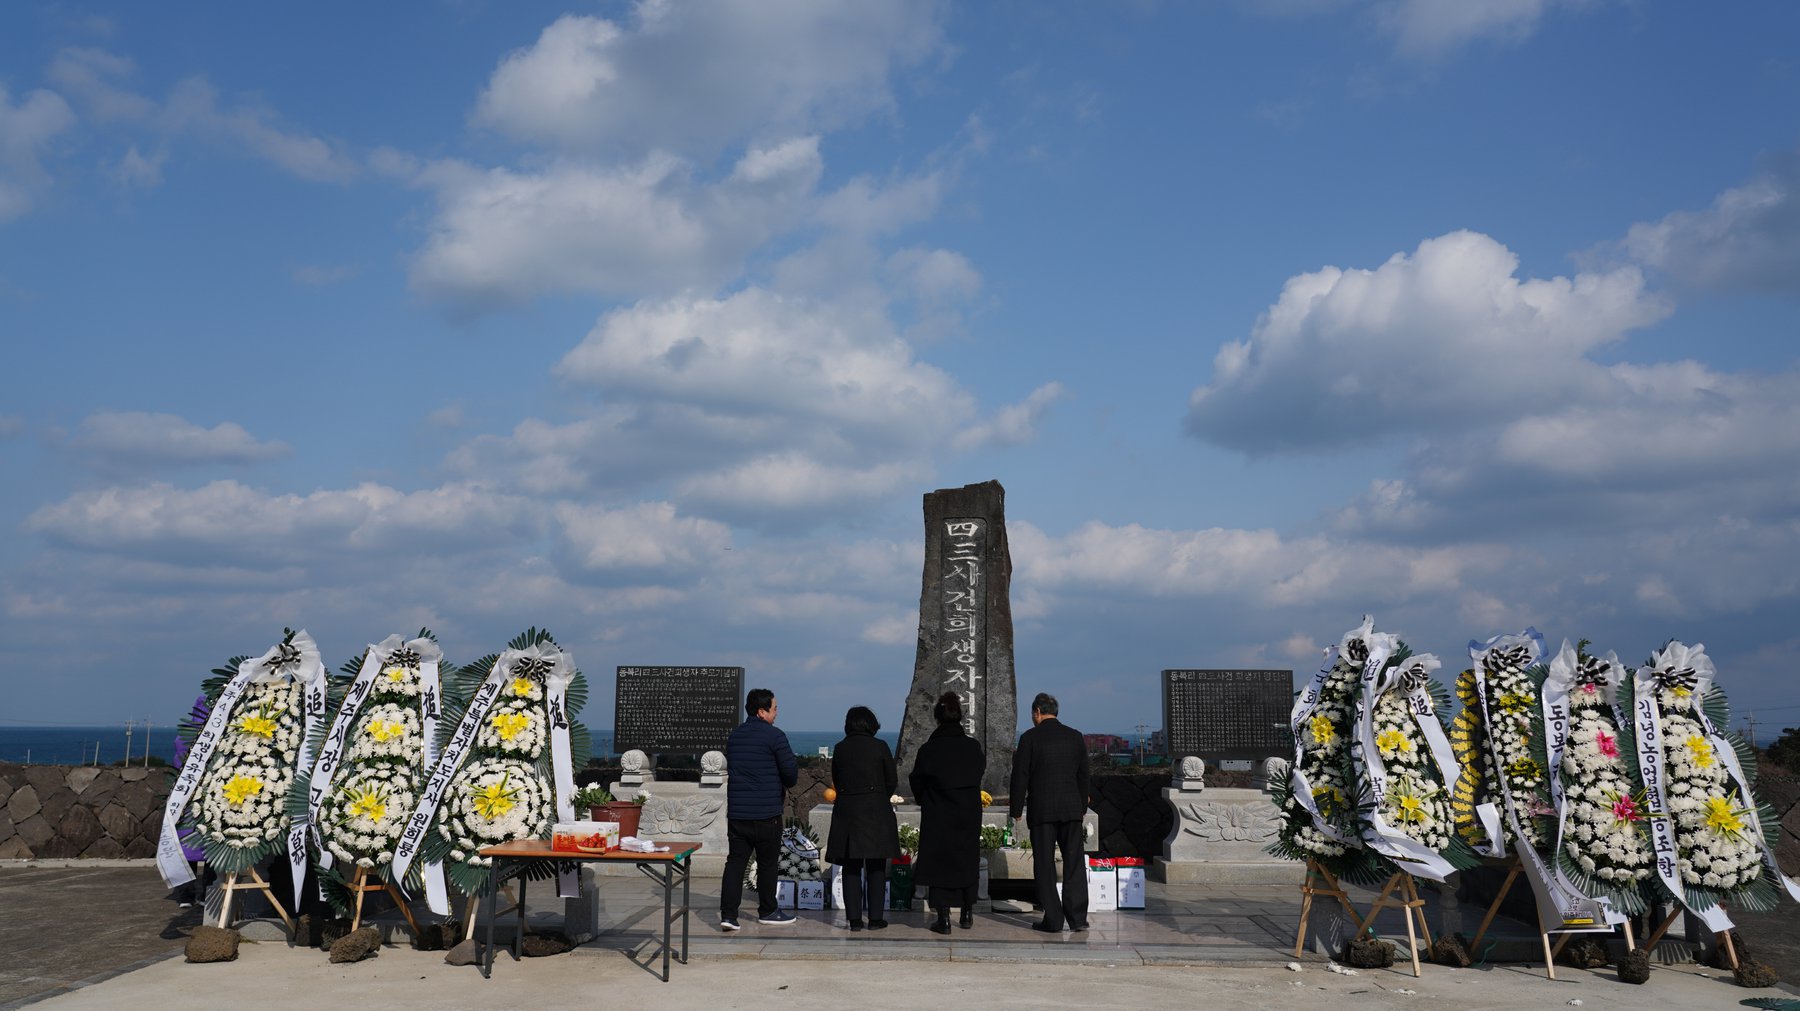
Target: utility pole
{"type": "Point", "coordinates": [1140, 728]}
{"type": "Point", "coordinates": [1750, 722]}
{"type": "Point", "coordinates": [146, 746]}
{"type": "Point", "coordinates": [128, 726]}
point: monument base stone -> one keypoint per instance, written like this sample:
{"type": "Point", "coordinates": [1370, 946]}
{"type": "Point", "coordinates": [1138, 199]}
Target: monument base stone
{"type": "Point", "coordinates": [1219, 837]}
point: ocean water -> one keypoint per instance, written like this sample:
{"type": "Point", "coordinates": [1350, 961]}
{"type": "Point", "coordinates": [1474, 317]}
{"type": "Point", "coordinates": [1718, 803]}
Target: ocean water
{"type": "Point", "coordinates": [105, 745]}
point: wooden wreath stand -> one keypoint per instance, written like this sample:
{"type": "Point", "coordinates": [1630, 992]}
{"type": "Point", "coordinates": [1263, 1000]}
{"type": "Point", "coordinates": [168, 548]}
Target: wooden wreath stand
{"type": "Point", "coordinates": [1410, 905]}
{"type": "Point", "coordinates": [1319, 881]}
{"type": "Point", "coordinates": [1723, 936]}
{"type": "Point", "coordinates": [474, 906]}
{"type": "Point", "coordinates": [363, 882]}
{"type": "Point", "coordinates": [1513, 870]}
{"type": "Point", "coordinates": [233, 884]}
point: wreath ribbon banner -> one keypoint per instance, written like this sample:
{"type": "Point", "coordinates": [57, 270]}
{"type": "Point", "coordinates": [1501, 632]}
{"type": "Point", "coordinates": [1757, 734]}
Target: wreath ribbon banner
{"type": "Point", "coordinates": [1559, 908]}
{"type": "Point", "coordinates": [1557, 714]}
{"type": "Point", "coordinates": [457, 749]}
{"type": "Point", "coordinates": [1408, 853]}
{"type": "Point", "coordinates": [170, 861]}
{"type": "Point", "coordinates": [1660, 819]}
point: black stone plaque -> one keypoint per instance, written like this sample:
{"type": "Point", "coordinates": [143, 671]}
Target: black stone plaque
{"type": "Point", "coordinates": [1228, 714]}
{"type": "Point", "coordinates": [677, 710]}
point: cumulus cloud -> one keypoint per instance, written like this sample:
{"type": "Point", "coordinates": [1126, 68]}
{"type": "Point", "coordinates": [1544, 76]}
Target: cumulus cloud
{"type": "Point", "coordinates": [503, 235]}
{"type": "Point", "coordinates": [99, 82]}
{"type": "Point", "coordinates": [697, 80]}
{"type": "Point", "coordinates": [1013, 424]}
{"type": "Point", "coordinates": [27, 130]}
{"type": "Point", "coordinates": [1747, 241]}
{"type": "Point", "coordinates": [793, 481]}
{"type": "Point", "coordinates": [648, 535]}
{"type": "Point", "coordinates": [1432, 28]}
{"type": "Point", "coordinates": [142, 439]}
{"type": "Point", "coordinates": [225, 521]}
{"type": "Point", "coordinates": [1443, 338]}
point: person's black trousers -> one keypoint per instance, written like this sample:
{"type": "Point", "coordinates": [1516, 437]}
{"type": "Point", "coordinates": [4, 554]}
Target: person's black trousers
{"type": "Point", "coordinates": [763, 838]}
{"type": "Point", "coordinates": [855, 872]}
{"type": "Point", "coordinates": [1046, 840]}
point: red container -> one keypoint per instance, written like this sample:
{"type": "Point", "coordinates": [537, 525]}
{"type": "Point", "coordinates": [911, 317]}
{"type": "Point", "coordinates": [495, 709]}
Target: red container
{"type": "Point", "coordinates": [624, 812]}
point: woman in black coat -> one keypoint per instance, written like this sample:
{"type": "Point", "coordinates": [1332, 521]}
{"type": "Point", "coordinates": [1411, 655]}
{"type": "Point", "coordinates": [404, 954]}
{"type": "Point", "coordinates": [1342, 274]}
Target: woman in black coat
{"type": "Point", "coordinates": [946, 781]}
{"type": "Point", "coordinates": [864, 835]}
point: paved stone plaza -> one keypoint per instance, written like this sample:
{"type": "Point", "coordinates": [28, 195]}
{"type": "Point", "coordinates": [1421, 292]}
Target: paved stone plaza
{"type": "Point", "coordinates": [107, 936]}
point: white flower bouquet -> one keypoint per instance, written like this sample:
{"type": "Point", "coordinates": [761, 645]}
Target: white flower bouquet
{"type": "Point", "coordinates": [241, 800]}
{"type": "Point", "coordinates": [1602, 842]}
{"type": "Point", "coordinates": [1498, 738]}
{"type": "Point", "coordinates": [1318, 802]}
{"type": "Point", "coordinates": [1405, 759]}
{"type": "Point", "coordinates": [365, 811]}
{"type": "Point", "coordinates": [1720, 831]}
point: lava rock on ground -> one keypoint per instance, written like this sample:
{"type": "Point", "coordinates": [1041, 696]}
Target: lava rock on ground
{"type": "Point", "coordinates": [1370, 953]}
{"type": "Point", "coordinates": [540, 945]}
{"type": "Point", "coordinates": [1584, 953]}
{"type": "Point", "coordinates": [212, 944]}
{"type": "Point", "coordinates": [357, 945]}
{"type": "Point", "coordinates": [1752, 973]}
{"type": "Point", "coordinates": [1634, 966]}
{"type": "Point", "coordinates": [465, 953]}
{"type": "Point", "coordinates": [1452, 950]}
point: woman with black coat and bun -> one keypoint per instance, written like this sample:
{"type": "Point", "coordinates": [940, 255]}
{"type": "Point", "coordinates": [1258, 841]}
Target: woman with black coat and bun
{"type": "Point", "coordinates": [864, 835]}
{"type": "Point", "coordinates": [946, 781]}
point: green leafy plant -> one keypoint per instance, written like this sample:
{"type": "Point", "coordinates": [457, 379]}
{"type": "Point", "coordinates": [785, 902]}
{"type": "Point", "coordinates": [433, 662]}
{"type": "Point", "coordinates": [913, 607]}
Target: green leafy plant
{"type": "Point", "coordinates": [592, 796]}
{"type": "Point", "coordinates": [909, 840]}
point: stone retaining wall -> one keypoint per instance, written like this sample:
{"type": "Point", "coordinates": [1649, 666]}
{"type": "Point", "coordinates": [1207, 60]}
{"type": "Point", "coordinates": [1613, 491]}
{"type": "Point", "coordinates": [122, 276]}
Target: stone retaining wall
{"type": "Point", "coordinates": [61, 811]}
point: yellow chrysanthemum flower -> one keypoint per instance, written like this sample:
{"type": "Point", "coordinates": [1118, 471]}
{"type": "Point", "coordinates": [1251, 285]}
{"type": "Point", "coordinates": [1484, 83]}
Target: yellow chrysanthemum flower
{"type": "Point", "coordinates": [1701, 749]}
{"type": "Point", "coordinates": [1392, 741]}
{"type": "Point", "coordinates": [1514, 702]}
{"type": "Point", "coordinates": [1328, 799]}
{"type": "Point", "coordinates": [986, 798]}
{"type": "Point", "coordinates": [1524, 768]}
{"type": "Point", "coordinates": [385, 730]}
{"type": "Point", "coordinates": [1322, 730]}
{"type": "Point", "coordinates": [370, 804]}
{"type": "Point", "coordinates": [521, 687]}
{"type": "Point", "coordinates": [494, 800]}
{"type": "Point", "coordinates": [1722, 818]}
{"type": "Point", "coordinates": [261, 726]}
{"type": "Point", "coordinates": [395, 673]}
{"type": "Point", "coordinates": [241, 788]}
{"type": "Point", "coordinates": [508, 725]}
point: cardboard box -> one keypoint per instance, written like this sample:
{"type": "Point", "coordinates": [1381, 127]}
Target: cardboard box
{"type": "Point", "coordinates": [1103, 885]}
{"type": "Point", "coordinates": [1132, 872]}
{"type": "Point", "coordinates": [810, 895]}
{"type": "Point", "coordinates": [584, 836]}
{"type": "Point", "coordinates": [786, 893]}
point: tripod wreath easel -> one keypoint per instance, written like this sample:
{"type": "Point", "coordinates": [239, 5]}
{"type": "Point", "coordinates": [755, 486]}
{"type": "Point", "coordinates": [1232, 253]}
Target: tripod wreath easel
{"type": "Point", "coordinates": [363, 883]}
{"type": "Point", "coordinates": [1723, 937]}
{"type": "Point", "coordinates": [233, 883]}
{"type": "Point", "coordinates": [1410, 906]}
{"type": "Point", "coordinates": [1319, 881]}
{"type": "Point", "coordinates": [1513, 869]}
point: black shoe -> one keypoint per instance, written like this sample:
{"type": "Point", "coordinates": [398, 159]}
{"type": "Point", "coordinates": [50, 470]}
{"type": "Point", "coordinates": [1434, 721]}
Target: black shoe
{"type": "Point", "coordinates": [967, 919]}
{"type": "Point", "coordinates": [1078, 926]}
{"type": "Point", "coordinates": [855, 925]}
{"type": "Point", "coordinates": [941, 925]}
{"type": "Point", "coordinates": [875, 924]}
{"type": "Point", "coordinates": [1043, 927]}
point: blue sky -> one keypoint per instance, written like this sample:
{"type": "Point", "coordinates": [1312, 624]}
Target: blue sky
{"type": "Point", "coordinates": [650, 323]}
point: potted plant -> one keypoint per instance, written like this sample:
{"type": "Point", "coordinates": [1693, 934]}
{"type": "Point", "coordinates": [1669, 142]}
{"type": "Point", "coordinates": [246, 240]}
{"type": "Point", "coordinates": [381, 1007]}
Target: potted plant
{"type": "Point", "coordinates": [602, 806]}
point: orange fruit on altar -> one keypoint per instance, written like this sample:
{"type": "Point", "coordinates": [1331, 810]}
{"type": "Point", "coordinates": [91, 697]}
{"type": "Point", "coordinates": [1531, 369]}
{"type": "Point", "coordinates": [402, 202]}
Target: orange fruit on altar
{"type": "Point", "coordinates": [830, 795]}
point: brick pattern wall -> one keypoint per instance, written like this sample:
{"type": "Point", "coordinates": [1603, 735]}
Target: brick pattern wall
{"type": "Point", "coordinates": [60, 811]}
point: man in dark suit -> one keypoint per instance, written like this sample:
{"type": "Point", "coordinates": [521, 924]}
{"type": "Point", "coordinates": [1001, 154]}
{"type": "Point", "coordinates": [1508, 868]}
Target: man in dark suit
{"type": "Point", "coordinates": [1050, 786]}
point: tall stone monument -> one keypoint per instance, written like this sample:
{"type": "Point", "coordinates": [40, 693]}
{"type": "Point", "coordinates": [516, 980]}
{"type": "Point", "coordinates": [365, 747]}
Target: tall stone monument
{"type": "Point", "coordinates": [965, 628]}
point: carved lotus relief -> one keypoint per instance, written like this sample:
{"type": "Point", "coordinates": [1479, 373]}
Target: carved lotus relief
{"type": "Point", "coordinates": [1253, 823]}
{"type": "Point", "coordinates": [686, 816]}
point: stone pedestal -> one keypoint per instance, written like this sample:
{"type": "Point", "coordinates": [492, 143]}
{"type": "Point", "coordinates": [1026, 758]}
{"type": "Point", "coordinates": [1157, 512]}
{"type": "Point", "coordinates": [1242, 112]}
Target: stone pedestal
{"type": "Point", "coordinates": [1218, 838]}
{"type": "Point", "coordinates": [680, 812]}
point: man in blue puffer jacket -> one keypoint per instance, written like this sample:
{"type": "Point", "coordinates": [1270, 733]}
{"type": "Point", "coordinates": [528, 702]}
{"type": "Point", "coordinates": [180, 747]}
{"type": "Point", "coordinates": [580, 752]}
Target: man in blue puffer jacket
{"type": "Point", "coordinates": [762, 767]}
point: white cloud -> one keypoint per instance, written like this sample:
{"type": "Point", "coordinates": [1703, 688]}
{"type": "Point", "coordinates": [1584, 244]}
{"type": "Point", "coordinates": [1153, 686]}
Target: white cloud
{"type": "Point", "coordinates": [225, 521]}
{"type": "Point", "coordinates": [648, 535]}
{"type": "Point", "coordinates": [697, 80]}
{"type": "Point", "coordinates": [1446, 337]}
{"type": "Point", "coordinates": [96, 79]}
{"type": "Point", "coordinates": [1013, 424]}
{"type": "Point", "coordinates": [27, 130]}
{"type": "Point", "coordinates": [138, 438]}
{"type": "Point", "coordinates": [793, 481]}
{"type": "Point", "coordinates": [137, 169]}
{"type": "Point", "coordinates": [1747, 241]}
{"type": "Point", "coordinates": [503, 235]}
{"type": "Point", "coordinates": [831, 374]}
{"type": "Point", "coordinates": [1432, 28]}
